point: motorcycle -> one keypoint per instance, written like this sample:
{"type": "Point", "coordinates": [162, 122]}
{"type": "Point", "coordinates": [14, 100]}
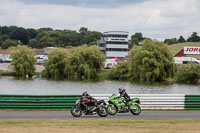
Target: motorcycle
{"type": "Point", "coordinates": [101, 109]}
{"type": "Point", "coordinates": [119, 105]}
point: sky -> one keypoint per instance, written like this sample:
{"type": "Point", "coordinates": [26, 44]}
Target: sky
{"type": "Point", "coordinates": [156, 19]}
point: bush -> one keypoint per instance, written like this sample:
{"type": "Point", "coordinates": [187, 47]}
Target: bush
{"type": "Point", "coordinates": [188, 73]}
{"type": "Point", "coordinates": [23, 61]}
{"type": "Point", "coordinates": [121, 72]}
{"type": "Point", "coordinates": [54, 66]}
{"type": "Point", "coordinates": [151, 62]}
{"type": "Point", "coordinates": [78, 63]}
{"type": "Point", "coordinates": [84, 63]}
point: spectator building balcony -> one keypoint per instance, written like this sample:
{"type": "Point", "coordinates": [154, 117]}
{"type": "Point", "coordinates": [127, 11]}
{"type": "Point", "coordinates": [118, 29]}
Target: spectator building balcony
{"type": "Point", "coordinates": [114, 44]}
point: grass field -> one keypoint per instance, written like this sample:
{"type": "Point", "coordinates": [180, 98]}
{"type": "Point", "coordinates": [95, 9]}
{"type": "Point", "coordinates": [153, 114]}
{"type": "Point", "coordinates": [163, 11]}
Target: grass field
{"type": "Point", "coordinates": [175, 48]}
{"type": "Point", "coordinates": [99, 125]}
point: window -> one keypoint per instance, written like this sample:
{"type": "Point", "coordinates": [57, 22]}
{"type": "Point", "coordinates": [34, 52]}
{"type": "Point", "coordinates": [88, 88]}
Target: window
{"type": "Point", "coordinates": [114, 42]}
{"type": "Point", "coordinates": [117, 49]}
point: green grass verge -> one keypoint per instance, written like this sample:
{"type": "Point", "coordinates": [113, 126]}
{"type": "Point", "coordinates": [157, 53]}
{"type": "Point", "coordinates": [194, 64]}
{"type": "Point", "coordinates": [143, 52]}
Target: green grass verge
{"type": "Point", "coordinates": [128, 125]}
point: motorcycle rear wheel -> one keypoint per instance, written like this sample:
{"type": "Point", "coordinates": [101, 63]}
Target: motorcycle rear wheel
{"type": "Point", "coordinates": [136, 111]}
{"type": "Point", "coordinates": [76, 111]}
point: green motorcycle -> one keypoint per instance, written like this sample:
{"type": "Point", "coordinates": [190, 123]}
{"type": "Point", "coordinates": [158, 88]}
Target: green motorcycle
{"type": "Point", "coordinates": [119, 105]}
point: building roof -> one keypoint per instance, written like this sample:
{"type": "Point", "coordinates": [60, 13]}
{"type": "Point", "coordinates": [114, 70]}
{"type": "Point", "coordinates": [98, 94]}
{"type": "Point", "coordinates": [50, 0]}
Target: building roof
{"type": "Point", "coordinates": [4, 51]}
{"type": "Point", "coordinates": [115, 32]}
{"type": "Point", "coordinates": [37, 51]}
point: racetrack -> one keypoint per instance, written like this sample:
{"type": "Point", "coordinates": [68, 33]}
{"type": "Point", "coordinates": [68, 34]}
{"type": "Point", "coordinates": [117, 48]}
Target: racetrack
{"type": "Point", "coordinates": [67, 115]}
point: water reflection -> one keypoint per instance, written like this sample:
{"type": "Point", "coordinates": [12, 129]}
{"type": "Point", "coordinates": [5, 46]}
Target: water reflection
{"type": "Point", "coordinates": [9, 85]}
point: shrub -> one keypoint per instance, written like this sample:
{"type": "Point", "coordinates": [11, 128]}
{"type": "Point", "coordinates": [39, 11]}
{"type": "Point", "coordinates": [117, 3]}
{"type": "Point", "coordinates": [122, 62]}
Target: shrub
{"type": "Point", "coordinates": [54, 66]}
{"type": "Point", "coordinates": [84, 63]}
{"type": "Point", "coordinates": [121, 72]}
{"type": "Point", "coordinates": [78, 63]}
{"type": "Point", "coordinates": [188, 73]}
{"type": "Point", "coordinates": [23, 61]}
{"type": "Point", "coordinates": [151, 62]}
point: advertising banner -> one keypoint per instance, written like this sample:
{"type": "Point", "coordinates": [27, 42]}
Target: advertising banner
{"type": "Point", "coordinates": [191, 50]}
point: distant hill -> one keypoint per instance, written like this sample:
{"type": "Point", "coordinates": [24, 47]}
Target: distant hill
{"type": "Point", "coordinates": [175, 48]}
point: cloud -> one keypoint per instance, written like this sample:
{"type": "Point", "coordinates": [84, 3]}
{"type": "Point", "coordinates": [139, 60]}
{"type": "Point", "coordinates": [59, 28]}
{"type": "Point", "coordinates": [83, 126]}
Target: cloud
{"type": "Point", "coordinates": [154, 18]}
{"type": "Point", "coordinates": [85, 3]}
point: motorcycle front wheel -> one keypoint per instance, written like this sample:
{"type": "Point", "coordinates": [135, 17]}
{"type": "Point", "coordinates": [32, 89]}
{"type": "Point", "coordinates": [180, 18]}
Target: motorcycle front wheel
{"type": "Point", "coordinates": [137, 110]}
{"type": "Point", "coordinates": [76, 111]}
{"type": "Point", "coordinates": [112, 110]}
{"type": "Point", "coordinates": [102, 111]}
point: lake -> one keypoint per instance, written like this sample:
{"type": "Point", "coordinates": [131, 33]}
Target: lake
{"type": "Point", "coordinates": [39, 86]}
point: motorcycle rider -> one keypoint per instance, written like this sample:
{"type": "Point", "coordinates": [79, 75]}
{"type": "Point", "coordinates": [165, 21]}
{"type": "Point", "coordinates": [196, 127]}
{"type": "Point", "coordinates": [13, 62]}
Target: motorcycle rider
{"type": "Point", "coordinates": [123, 93]}
{"type": "Point", "coordinates": [93, 101]}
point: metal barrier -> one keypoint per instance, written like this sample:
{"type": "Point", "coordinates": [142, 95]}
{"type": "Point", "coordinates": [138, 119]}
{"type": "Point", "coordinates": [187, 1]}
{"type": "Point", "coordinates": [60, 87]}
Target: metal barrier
{"type": "Point", "coordinates": [37, 102]}
{"type": "Point", "coordinates": [65, 102]}
{"type": "Point", "coordinates": [154, 101]}
{"type": "Point", "coordinates": [192, 102]}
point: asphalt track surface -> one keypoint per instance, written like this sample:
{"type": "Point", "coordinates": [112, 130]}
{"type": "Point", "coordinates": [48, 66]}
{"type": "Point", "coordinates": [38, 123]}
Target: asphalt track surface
{"type": "Point", "coordinates": [67, 115]}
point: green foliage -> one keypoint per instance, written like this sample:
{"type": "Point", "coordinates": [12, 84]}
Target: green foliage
{"type": "Point", "coordinates": [54, 66]}
{"type": "Point", "coordinates": [194, 37]}
{"type": "Point", "coordinates": [136, 38]}
{"type": "Point", "coordinates": [151, 62]}
{"type": "Point", "coordinates": [78, 63]}
{"type": "Point", "coordinates": [47, 37]}
{"type": "Point", "coordinates": [171, 41]}
{"type": "Point", "coordinates": [46, 41]}
{"type": "Point", "coordinates": [23, 61]}
{"type": "Point", "coordinates": [181, 39]}
{"type": "Point", "coordinates": [20, 34]}
{"type": "Point", "coordinates": [84, 63]}
{"type": "Point", "coordinates": [188, 73]}
{"type": "Point", "coordinates": [83, 30]}
{"type": "Point", "coordinates": [121, 71]}
{"type": "Point", "coordinates": [8, 43]}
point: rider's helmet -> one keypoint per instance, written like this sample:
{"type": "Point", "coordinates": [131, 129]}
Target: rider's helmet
{"type": "Point", "coordinates": [121, 90]}
{"type": "Point", "coordinates": [85, 93]}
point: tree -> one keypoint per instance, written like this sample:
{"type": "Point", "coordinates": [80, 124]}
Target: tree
{"type": "Point", "coordinates": [188, 73]}
{"type": "Point", "coordinates": [8, 43]}
{"type": "Point", "coordinates": [171, 41]}
{"type": "Point", "coordinates": [84, 63]}
{"type": "Point", "coordinates": [20, 34]}
{"type": "Point", "coordinates": [121, 72]}
{"type": "Point", "coordinates": [181, 39]}
{"type": "Point", "coordinates": [46, 41]}
{"type": "Point", "coordinates": [151, 62]}
{"type": "Point", "coordinates": [0, 40]}
{"type": "Point", "coordinates": [55, 65]}
{"type": "Point", "coordinates": [32, 33]}
{"type": "Point", "coordinates": [83, 30]}
{"type": "Point", "coordinates": [194, 37]}
{"type": "Point", "coordinates": [91, 37]}
{"type": "Point", "coordinates": [23, 61]}
{"type": "Point", "coordinates": [5, 37]}
{"type": "Point", "coordinates": [136, 38]}
{"type": "Point", "coordinates": [33, 43]}
{"type": "Point", "coordinates": [78, 63]}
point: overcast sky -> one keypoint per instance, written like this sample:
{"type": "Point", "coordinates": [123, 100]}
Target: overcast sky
{"type": "Point", "coordinates": [157, 19]}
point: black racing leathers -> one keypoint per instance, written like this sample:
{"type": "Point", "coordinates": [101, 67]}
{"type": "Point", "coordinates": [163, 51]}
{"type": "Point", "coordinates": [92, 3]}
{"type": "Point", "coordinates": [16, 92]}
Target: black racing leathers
{"type": "Point", "coordinates": [126, 97]}
{"type": "Point", "coordinates": [85, 102]}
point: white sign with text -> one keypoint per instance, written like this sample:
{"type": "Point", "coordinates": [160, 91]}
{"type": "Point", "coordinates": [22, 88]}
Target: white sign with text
{"type": "Point", "coordinates": [191, 50]}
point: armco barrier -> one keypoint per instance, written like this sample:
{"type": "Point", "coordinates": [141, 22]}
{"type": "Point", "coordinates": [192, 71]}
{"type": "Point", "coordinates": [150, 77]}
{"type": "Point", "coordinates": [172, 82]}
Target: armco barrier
{"type": "Point", "coordinates": [154, 101]}
{"type": "Point", "coordinates": [65, 102]}
{"type": "Point", "coordinates": [37, 102]}
{"type": "Point", "coordinates": [192, 102]}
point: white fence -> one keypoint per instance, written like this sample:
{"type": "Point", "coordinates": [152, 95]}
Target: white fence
{"type": "Point", "coordinates": [154, 101]}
